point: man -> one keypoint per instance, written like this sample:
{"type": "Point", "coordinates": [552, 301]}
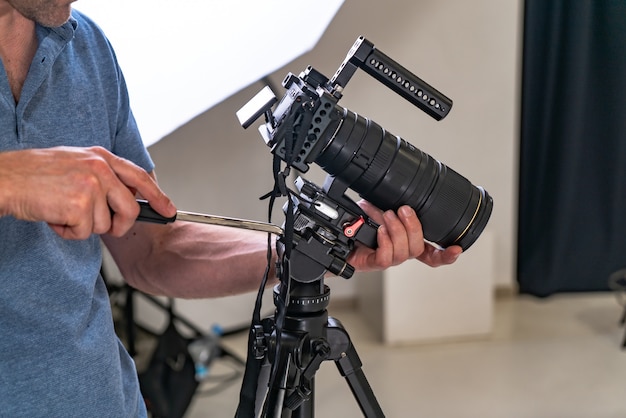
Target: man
{"type": "Point", "coordinates": [71, 165]}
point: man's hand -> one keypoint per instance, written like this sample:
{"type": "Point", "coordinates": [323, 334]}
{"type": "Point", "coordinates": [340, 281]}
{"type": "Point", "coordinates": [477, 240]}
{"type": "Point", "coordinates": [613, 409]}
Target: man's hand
{"type": "Point", "coordinates": [400, 238]}
{"type": "Point", "coordinates": [77, 191]}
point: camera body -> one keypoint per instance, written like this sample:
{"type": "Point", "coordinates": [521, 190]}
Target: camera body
{"type": "Point", "coordinates": [306, 102]}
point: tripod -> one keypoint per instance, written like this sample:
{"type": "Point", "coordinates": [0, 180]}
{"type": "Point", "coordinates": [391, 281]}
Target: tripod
{"type": "Point", "coordinates": [307, 338]}
{"type": "Point", "coordinates": [286, 350]}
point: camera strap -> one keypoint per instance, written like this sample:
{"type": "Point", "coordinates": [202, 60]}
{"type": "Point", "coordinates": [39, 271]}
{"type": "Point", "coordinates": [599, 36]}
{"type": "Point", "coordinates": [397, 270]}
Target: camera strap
{"type": "Point", "coordinates": [249, 388]}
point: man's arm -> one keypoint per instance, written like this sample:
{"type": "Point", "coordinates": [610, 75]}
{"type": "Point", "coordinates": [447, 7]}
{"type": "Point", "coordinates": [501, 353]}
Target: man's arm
{"type": "Point", "coordinates": [191, 260]}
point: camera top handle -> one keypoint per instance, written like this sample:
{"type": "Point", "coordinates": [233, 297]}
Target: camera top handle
{"type": "Point", "coordinates": [364, 55]}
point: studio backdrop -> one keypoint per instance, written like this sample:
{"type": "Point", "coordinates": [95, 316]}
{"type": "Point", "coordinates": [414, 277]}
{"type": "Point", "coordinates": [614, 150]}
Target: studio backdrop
{"type": "Point", "coordinates": [572, 196]}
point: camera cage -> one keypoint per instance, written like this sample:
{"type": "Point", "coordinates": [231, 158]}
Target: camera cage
{"type": "Point", "coordinates": [318, 96]}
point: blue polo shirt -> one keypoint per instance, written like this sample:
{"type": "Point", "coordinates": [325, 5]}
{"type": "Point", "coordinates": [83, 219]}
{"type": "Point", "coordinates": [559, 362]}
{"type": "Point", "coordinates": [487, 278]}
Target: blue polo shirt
{"type": "Point", "coordinates": [59, 354]}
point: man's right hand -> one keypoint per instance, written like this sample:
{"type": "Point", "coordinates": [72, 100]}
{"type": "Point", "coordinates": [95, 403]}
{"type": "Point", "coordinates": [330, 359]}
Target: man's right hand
{"type": "Point", "coordinates": [77, 191]}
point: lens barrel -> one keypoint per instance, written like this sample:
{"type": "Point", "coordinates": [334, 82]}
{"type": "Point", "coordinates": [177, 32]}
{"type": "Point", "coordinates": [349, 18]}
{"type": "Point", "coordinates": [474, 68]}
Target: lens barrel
{"type": "Point", "coordinates": [390, 172]}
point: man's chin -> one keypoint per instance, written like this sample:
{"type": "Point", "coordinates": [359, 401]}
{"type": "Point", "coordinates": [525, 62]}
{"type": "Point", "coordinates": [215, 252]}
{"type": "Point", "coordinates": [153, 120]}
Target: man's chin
{"type": "Point", "coordinates": [56, 19]}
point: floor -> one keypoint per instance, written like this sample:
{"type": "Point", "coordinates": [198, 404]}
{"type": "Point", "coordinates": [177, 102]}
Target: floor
{"type": "Point", "coordinates": [558, 357]}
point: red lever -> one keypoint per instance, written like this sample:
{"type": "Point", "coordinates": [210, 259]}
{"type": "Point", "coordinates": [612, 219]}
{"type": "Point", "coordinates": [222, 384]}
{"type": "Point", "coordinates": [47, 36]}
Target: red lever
{"type": "Point", "coordinates": [350, 230]}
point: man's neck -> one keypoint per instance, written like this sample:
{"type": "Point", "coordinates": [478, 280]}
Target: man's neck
{"type": "Point", "coordinates": [18, 44]}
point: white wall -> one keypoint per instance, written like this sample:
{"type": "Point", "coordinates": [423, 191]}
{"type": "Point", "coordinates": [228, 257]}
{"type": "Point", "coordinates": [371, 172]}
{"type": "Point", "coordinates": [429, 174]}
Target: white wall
{"type": "Point", "coordinates": [466, 49]}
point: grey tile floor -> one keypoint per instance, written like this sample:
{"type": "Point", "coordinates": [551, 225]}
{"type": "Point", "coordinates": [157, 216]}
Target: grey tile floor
{"type": "Point", "coordinates": [556, 357]}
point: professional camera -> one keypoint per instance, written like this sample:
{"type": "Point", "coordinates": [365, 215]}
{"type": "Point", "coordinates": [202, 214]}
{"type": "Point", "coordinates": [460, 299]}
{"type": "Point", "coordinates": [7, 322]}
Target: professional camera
{"type": "Point", "coordinates": [308, 125]}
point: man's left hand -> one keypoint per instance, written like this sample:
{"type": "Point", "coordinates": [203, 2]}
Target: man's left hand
{"type": "Point", "coordinates": [400, 238]}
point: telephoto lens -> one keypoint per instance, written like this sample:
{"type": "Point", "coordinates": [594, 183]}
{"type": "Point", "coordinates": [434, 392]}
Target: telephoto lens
{"type": "Point", "coordinates": [389, 172]}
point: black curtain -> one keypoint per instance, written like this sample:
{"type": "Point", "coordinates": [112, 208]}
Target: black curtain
{"type": "Point", "coordinates": [572, 195]}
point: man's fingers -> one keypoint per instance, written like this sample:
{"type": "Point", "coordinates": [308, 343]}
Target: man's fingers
{"type": "Point", "coordinates": [413, 230]}
{"type": "Point", "coordinates": [399, 239]}
{"type": "Point", "coordinates": [371, 211]}
{"type": "Point", "coordinates": [121, 211]}
{"type": "Point", "coordinates": [121, 203]}
{"type": "Point", "coordinates": [436, 257]}
{"type": "Point", "coordinates": [139, 180]}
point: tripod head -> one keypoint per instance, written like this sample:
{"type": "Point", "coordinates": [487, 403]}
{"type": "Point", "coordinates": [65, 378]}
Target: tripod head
{"type": "Point", "coordinates": [327, 225]}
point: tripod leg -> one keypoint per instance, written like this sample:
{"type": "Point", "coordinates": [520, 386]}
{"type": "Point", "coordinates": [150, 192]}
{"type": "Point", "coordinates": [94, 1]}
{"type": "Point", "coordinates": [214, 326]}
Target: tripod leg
{"type": "Point", "coordinates": [284, 378]}
{"type": "Point", "coordinates": [350, 368]}
{"type": "Point", "coordinates": [349, 365]}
